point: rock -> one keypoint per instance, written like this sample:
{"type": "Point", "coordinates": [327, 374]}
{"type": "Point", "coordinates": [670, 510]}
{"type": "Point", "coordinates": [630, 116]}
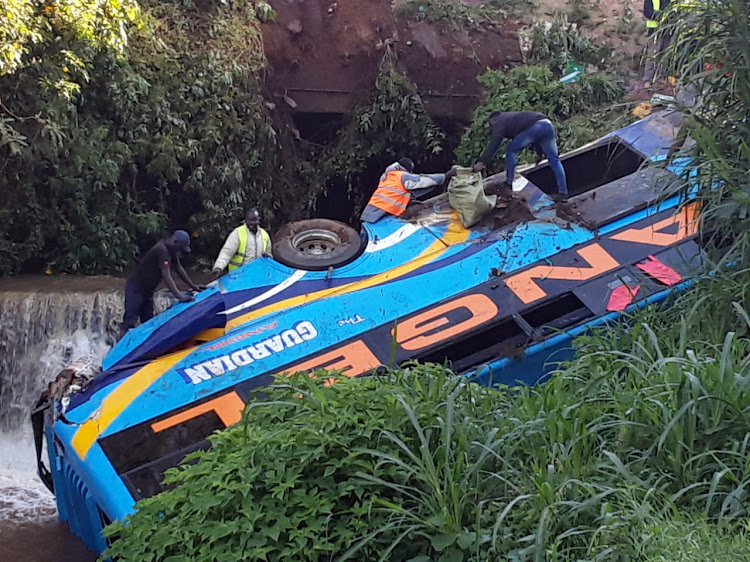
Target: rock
{"type": "Point", "coordinates": [295, 26]}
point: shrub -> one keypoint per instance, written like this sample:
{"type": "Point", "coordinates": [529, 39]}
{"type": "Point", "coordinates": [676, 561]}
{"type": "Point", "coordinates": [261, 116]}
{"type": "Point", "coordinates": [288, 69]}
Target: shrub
{"type": "Point", "coordinates": [367, 467]}
{"type": "Point", "coordinates": [556, 42]}
{"type": "Point", "coordinates": [389, 123]}
{"type": "Point", "coordinates": [710, 53]}
{"type": "Point", "coordinates": [170, 130]}
{"type": "Point", "coordinates": [143, 139]}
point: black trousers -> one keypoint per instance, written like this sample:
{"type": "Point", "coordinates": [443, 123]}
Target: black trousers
{"type": "Point", "coordinates": [138, 305]}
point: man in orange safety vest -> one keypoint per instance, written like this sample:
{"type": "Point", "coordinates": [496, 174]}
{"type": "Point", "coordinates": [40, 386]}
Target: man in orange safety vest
{"type": "Point", "coordinates": [397, 186]}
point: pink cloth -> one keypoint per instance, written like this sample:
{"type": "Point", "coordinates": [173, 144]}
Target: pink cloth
{"type": "Point", "coordinates": [622, 296]}
{"type": "Point", "coordinates": [660, 272]}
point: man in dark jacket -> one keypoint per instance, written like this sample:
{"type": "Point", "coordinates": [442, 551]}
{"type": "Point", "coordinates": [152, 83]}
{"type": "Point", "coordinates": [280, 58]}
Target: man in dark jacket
{"type": "Point", "coordinates": [525, 129]}
{"type": "Point", "coordinates": [153, 268]}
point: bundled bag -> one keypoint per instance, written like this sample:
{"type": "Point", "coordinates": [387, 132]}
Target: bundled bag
{"type": "Point", "coordinates": [466, 195]}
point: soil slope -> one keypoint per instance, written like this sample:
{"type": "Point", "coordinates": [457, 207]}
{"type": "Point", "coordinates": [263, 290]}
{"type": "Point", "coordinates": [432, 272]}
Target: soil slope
{"type": "Point", "coordinates": [323, 53]}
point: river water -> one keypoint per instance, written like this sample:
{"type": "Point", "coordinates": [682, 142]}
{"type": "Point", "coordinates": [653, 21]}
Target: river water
{"type": "Point", "coordinates": [44, 324]}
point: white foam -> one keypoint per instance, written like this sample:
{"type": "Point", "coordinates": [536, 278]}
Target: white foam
{"type": "Point", "coordinates": [23, 497]}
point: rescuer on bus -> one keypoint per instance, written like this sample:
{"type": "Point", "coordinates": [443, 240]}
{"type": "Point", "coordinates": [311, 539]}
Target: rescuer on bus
{"type": "Point", "coordinates": [244, 244]}
{"type": "Point", "coordinates": [397, 186]}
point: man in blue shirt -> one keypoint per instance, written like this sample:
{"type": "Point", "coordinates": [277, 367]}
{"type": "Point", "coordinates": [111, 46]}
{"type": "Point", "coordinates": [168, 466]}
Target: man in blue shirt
{"type": "Point", "coordinates": [524, 129]}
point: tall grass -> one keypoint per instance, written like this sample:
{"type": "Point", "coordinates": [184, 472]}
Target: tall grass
{"type": "Point", "coordinates": [649, 423]}
{"type": "Point", "coordinates": [694, 540]}
{"type": "Point", "coordinates": [710, 53]}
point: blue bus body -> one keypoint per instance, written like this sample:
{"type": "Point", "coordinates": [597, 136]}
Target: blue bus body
{"type": "Point", "coordinates": [501, 303]}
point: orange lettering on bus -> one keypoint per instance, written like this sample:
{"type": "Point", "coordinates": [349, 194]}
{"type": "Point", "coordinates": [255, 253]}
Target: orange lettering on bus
{"type": "Point", "coordinates": [687, 225]}
{"type": "Point", "coordinates": [414, 333]}
{"type": "Point", "coordinates": [354, 358]}
{"type": "Point", "coordinates": [526, 289]}
{"type": "Point", "coordinates": [227, 406]}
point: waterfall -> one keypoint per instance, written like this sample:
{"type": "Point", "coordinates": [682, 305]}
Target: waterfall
{"type": "Point", "coordinates": [44, 325]}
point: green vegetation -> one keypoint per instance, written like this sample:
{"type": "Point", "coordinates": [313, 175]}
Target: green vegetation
{"type": "Point", "coordinates": [114, 124]}
{"type": "Point", "coordinates": [364, 467]}
{"type": "Point", "coordinates": [644, 433]}
{"type": "Point", "coordinates": [582, 111]}
{"type": "Point", "coordinates": [124, 120]}
{"type": "Point", "coordinates": [537, 87]}
{"type": "Point", "coordinates": [57, 41]}
{"type": "Point", "coordinates": [711, 54]}
{"type": "Point", "coordinates": [556, 42]}
{"type": "Point", "coordinates": [119, 125]}
{"type": "Point", "coordinates": [455, 15]}
{"type": "Point", "coordinates": [171, 131]}
{"type": "Point", "coordinates": [389, 123]}
{"type": "Point", "coordinates": [695, 540]}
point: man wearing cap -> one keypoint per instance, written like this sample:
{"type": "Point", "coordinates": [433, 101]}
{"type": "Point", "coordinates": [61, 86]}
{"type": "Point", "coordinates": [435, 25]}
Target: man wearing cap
{"type": "Point", "coordinates": [153, 268]}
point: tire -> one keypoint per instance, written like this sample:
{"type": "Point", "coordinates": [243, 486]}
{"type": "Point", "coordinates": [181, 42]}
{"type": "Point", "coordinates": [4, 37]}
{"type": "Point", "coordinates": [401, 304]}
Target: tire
{"type": "Point", "coordinates": [316, 244]}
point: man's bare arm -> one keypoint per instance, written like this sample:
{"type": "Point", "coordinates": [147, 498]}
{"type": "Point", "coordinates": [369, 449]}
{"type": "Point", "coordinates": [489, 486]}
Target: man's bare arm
{"type": "Point", "coordinates": [184, 276]}
{"type": "Point", "coordinates": [166, 275]}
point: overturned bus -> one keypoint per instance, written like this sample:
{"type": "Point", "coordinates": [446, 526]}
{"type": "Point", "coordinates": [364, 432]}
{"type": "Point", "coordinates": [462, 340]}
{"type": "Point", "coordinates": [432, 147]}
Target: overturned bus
{"type": "Point", "coordinates": [499, 302]}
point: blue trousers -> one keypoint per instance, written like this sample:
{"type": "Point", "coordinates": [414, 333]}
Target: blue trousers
{"type": "Point", "coordinates": [541, 134]}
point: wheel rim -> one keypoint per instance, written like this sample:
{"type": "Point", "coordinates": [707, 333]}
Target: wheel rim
{"type": "Point", "coordinates": [316, 242]}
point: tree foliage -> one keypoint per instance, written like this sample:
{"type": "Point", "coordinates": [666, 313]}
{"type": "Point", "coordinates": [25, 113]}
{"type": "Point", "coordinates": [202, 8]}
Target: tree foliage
{"type": "Point", "coordinates": [170, 132]}
{"type": "Point", "coordinates": [391, 122]}
{"type": "Point", "coordinates": [154, 119]}
{"type": "Point", "coordinates": [57, 40]}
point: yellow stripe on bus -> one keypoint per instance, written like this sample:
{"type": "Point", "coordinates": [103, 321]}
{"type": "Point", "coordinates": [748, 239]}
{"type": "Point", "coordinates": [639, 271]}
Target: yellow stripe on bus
{"type": "Point", "coordinates": [120, 398]}
{"type": "Point", "coordinates": [132, 387]}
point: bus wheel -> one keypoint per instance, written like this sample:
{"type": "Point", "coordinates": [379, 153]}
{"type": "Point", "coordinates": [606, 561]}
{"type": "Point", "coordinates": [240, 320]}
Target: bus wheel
{"type": "Point", "coordinates": [316, 244]}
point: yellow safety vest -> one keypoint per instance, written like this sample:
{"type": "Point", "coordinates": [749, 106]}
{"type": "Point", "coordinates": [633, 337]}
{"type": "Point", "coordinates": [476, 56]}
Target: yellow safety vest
{"type": "Point", "coordinates": [244, 233]}
{"type": "Point", "coordinates": [652, 24]}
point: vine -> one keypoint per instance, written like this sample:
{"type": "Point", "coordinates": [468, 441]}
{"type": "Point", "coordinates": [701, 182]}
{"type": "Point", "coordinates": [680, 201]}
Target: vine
{"type": "Point", "coordinates": [391, 122]}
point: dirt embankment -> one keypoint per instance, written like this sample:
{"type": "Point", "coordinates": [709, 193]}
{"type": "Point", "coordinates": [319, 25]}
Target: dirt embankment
{"type": "Point", "coordinates": [323, 53]}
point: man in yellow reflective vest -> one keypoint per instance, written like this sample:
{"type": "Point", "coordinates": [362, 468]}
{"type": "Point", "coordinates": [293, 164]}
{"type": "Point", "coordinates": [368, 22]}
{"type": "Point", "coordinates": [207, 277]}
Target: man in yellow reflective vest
{"type": "Point", "coordinates": [246, 243]}
{"type": "Point", "coordinates": [396, 187]}
{"type": "Point", "coordinates": [658, 39]}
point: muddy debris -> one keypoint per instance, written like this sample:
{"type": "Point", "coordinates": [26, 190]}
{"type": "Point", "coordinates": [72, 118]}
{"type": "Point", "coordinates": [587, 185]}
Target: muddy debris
{"type": "Point", "coordinates": [568, 211]}
{"type": "Point", "coordinates": [508, 210]}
